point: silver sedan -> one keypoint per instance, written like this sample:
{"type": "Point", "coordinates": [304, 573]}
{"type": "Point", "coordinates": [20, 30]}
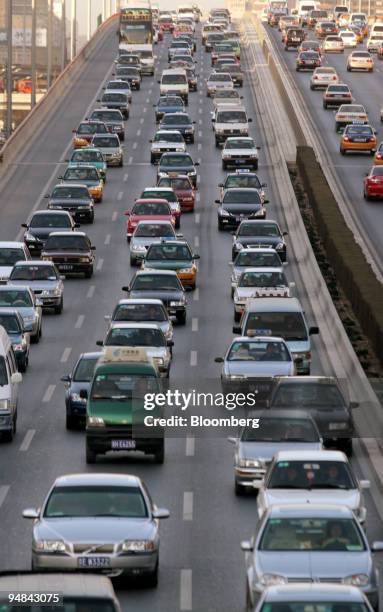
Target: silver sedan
{"type": "Point", "coordinates": [44, 280]}
{"type": "Point", "coordinates": [313, 597]}
{"type": "Point", "coordinates": [101, 522]}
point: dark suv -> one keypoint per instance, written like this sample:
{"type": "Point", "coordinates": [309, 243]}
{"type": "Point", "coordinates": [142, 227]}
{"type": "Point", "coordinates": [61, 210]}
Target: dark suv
{"type": "Point", "coordinates": [294, 38]}
{"type": "Point", "coordinates": [72, 252]}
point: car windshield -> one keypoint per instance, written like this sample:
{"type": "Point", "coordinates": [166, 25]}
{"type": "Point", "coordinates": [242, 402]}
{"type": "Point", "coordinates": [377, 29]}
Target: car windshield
{"type": "Point", "coordinates": [226, 93]}
{"type": "Point", "coordinates": [10, 297]}
{"type": "Point", "coordinates": [172, 101]}
{"type": "Point", "coordinates": [56, 221]}
{"type": "Point", "coordinates": [135, 337]}
{"type": "Point", "coordinates": [282, 430]}
{"type": "Point", "coordinates": [34, 273]}
{"type": "Point", "coordinates": [231, 117]}
{"type": "Point", "coordinates": [243, 180]}
{"type": "Point", "coordinates": [310, 475]}
{"type": "Point", "coordinates": [262, 279]}
{"type": "Point", "coordinates": [87, 155]}
{"type": "Point", "coordinates": [154, 230]}
{"type": "Point", "coordinates": [129, 71]}
{"type": "Point", "coordinates": [10, 324]}
{"type": "Point", "coordinates": [106, 141]}
{"type": "Point", "coordinates": [140, 312]}
{"type": "Point", "coordinates": [258, 351]}
{"type": "Point", "coordinates": [176, 160]}
{"type": "Point", "coordinates": [9, 256]}
{"type": "Point", "coordinates": [325, 396]}
{"type": "Point", "coordinates": [85, 369]}
{"type": "Point", "coordinates": [258, 229]}
{"type": "Point", "coordinates": [90, 128]}
{"type": "Point", "coordinates": [175, 183]}
{"type": "Point", "coordinates": [239, 144]}
{"type": "Point", "coordinates": [287, 325]}
{"type": "Point", "coordinates": [150, 282]}
{"type": "Point", "coordinates": [359, 130]}
{"type": "Point", "coordinates": [70, 193]}
{"type": "Point", "coordinates": [241, 197]}
{"type": "Point", "coordinates": [118, 85]}
{"type": "Point", "coordinates": [338, 89]}
{"type": "Point", "coordinates": [105, 115]}
{"type": "Point", "coordinates": [377, 171]}
{"type": "Point", "coordinates": [114, 97]}
{"type": "Point", "coordinates": [81, 174]}
{"type": "Point", "coordinates": [151, 208]}
{"type": "Point", "coordinates": [218, 77]}
{"type": "Point", "coordinates": [70, 243]}
{"type": "Point", "coordinates": [315, 534]}
{"type": "Point", "coordinates": [174, 79]}
{"type": "Point", "coordinates": [122, 386]}
{"type": "Point", "coordinates": [253, 259]}
{"type": "Point", "coordinates": [175, 120]}
{"type": "Point", "coordinates": [168, 137]}
{"type": "Point", "coordinates": [91, 501]}
{"type": "Point", "coordinates": [3, 372]}
{"type": "Point", "coordinates": [168, 195]}
{"type": "Point", "coordinates": [168, 252]}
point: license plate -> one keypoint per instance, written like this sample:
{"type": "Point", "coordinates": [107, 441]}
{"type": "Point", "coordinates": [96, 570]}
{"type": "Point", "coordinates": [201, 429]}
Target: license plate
{"type": "Point", "coordinates": [123, 444]}
{"type": "Point", "coordinates": [295, 39]}
{"type": "Point", "coordinates": [94, 562]}
{"type": "Point", "coordinates": [65, 267]}
{"type": "Point", "coordinates": [359, 140]}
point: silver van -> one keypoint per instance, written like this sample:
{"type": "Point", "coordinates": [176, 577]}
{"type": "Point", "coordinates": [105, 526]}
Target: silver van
{"type": "Point", "coordinates": [229, 120]}
{"type": "Point", "coordinates": [283, 317]}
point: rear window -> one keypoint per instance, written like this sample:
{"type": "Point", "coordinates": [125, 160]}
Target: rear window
{"type": "Point", "coordinates": [231, 117]}
{"type": "Point", "coordinates": [174, 79]}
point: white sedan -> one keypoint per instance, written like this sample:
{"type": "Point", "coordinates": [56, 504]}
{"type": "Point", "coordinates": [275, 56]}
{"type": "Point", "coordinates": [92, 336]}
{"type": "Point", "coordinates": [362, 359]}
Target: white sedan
{"type": "Point", "coordinates": [323, 76]}
{"type": "Point", "coordinates": [349, 39]}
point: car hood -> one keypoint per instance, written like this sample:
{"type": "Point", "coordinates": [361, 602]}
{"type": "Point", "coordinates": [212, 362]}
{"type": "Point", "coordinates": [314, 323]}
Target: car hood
{"type": "Point", "coordinates": [37, 285]}
{"type": "Point", "coordinates": [259, 368]}
{"type": "Point", "coordinates": [76, 386]}
{"type": "Point", "coordinates": [68, 203]}
{"type": "Point", "coordinates": [146, 241]}
{"type": "Point", "coordinates": [93, 530]}
{"type": "Point", "coordinates": [234, 152]}
{"type": "Point", "coordinates": [315, 496]}
{"type": "Point", "coordinates": [160, 294]}
{"type": "Point", "coordinates": [322, 564]}
{"type": "Point", "coordinates": [175, 169]}
{"type": "Point", "coordinates": [158, 264]}
{"type": "Point", "coordinates": [25, 312]}
{"type": "Point", "coordinates": [238, 208]}
{"type": "Point", "coordinates": [5, 271]}
{"type": "Point", "coordinates": [267, 450]}
{"type": "Point", "coordinates": [42, 233]}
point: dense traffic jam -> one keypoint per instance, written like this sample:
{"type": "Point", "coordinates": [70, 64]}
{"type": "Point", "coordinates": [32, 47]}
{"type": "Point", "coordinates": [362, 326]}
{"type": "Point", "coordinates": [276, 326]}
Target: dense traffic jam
{"type": "Point", "coordinates": [315, 34]}
{"type": "Point", "coordinates": [309, 551]}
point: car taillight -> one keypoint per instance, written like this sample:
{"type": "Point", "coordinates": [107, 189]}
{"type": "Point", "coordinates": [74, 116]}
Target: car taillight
{"type": "Point", "coordinates": [378, 156]}
{"type": "Point", "coordinates": [317, 62]}
{"type": "Point", "coordinates": [315, 78]}
{"type": "Point", "coordinates": [372, 139]}
{"type": "Point", "coordinates": [361, 116]}
{"type": "Point", "coordinates": [334, 78]}
{"type": "Point", "coordinates": [300, 62]}
{"type": "Point", "coordinates": [345, 139]}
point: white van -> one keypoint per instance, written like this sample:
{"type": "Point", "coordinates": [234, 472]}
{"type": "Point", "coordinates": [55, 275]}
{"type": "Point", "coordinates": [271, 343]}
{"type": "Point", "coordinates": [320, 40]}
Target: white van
{"type": "Point", "coordinates": [304, 9]}
{"type": "Point", "coordinates": [9, 382]}
{"type": "Point", "coordinates": [376, 29]}
{"type": "Point", "coordinates": [175, 81]}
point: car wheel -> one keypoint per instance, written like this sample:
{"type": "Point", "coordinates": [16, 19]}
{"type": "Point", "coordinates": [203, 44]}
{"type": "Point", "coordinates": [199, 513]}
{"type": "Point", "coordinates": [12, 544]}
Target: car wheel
{"type": "Point", "coordinates": [22, 366]}
{"type": "Point", "coordinates": [312, 87]}
{"type": "Point", "coordinates": [249, 603]}
{"type": "Point", "coordinates": [220, 226]}
{"type": "Point", "coordinates": [178, 223]}
{"type": "Point", "coordinates": [121, 163]}
{"type": "Point", "coordinates": [366, 196]}
{"type": "Point", "coordinates": [181, 317]}
{"type": "Point", "coordinates": [152, 159]}
{"type": "Point", "coordinates": [36, 338]}
{"type": "Point", "coordinates": [122, 136]}
{"type": "Point", "coordinates": [348, 68]}
{"type": "Point", "coordinates": [159, 455]}
{"type": "Point", "coordinates": [216, 143]}
{"type": "Point", "coordinates": [192, 140]}
{"type": "Point", "coordinates": [8, 435]}
{"type": "Point", "coordinates": [231, 292]}
{"type": "Point", "coordinates": [90, 455]}
{"type": "Point", "coordinates": [324, 105]}
{"type": "Point", "coordinates": [223, 165]}
{"type": "Point", "coordinates": [91, 218]}
{"type": "Point", "coordinates": [89, 273]}
{"type": "Point", "coordinates": [133, 261]}
{"type": "Point", "coordinates": [237, 316]}
{"type": "Point", "coordinates": [346, 447]}
{"type": "Point", "coordinates": [337, 126]}
{"type": "Point", "coordinates": [70, 422]}
{"type": "Point", "coordinates": [58, 309]}
{"type": "Point", "coordinates": [239, 489]}
{"type": "Point", "coordinates": [342, 151]}
{"type": "Point", "coordinates": [151, 580]}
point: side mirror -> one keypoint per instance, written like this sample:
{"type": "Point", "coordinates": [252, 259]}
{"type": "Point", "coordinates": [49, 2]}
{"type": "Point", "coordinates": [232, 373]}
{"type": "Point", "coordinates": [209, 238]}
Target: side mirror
{"type": "Point", "coordinates": [47, 195]}
{"type": "Point", "coordinates": [194, 122]}
{"type": "Point", "coordinates": [107, 317]}
{"type": "Point", "coordinates": [24, 225]}
{"type": "Point", "coordinates": [62, 277]}
{"type": "Point", "coordinates": [66, 378]}
{"type": "Point", "coordinates": [179, 235]}
{"type": "Point", "coordinates": [161, 513]}
{"type": "Point", "coordinates": [249, 120]}
{"type": "Point", "coordinates": [16, 378]}
{"type": "Point", "coordinates": [247, 546]}
{"type": "Point", "coordinates": [39, 303]}
{"type": "Point", "coordinates": [213, 119]}
{"type": "Point", "coordinates": [83, 394]}
{"type": "Point", "coordinates": [31, 513]}
{"type": "Point", "coordinates": [285, 233]}
{"type": "Point", "coordinates": [354, 405]}
{"type": "Point", "coordinates": [232, 440]}
{"type": "Point", "coordinates": [125, 288]}
{"type": "Point", "coordinates": [292, 285]}
{"type": "Point", "coordinates": [170, 343]}
{"type": "Point", "coordinates": [217, 201]}
{"type": "Point", "coordinates": [220, 184]}
{"type": "Point", "coordinates": [313, 331]}
{"type": "Point", "coordinates": [377, 546]}
{"type": "Point", "coordinates": [92, 248]}
{"type": "Point", "coordinates": [266, 201]}
{"type": "Point", "coordinates": [60, 177]}
{"type": "Point", "coordinates": [236, 329]}
{"type": "Point", "coordinates": [196, 163]}
{"type": "Point", "coordinates": [364, 484]}
{"type": "Point", "coordinates": [159, 82]}
{"type": "Point", "coordinates": [218, 360]}
{"type": "Point", "coordinates": [99, 343]}
{"type": "Point", "coordinates": [150, 140]}
{"type": "Point", "coordinates": [263, 184]}
{"type": "Point", "coordinates": [127, 213]}
{"type": "Point", "coordinates": [77, 225]}
{"type": "Point", "coordinates": [196, 256]}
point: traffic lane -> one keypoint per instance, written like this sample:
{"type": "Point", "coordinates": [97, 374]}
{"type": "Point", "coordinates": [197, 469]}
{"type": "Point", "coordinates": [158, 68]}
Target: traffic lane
{"type": "Point", "coordinates": [351, 169]}
{"type": "Point", "coordinates": [36, 166]}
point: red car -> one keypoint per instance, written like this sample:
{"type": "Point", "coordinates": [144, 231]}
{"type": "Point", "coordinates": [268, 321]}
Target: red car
{"type": "Point", "coordinates": [183, 188]}
{"type": "Point", "coordinates": [82, 137]}
{"type": "Point", "coordinates": [147, 210]}
{"type": "Point", "coordinates": [166, 25]}
{"type": "Point", "coordinates": [373, 183]}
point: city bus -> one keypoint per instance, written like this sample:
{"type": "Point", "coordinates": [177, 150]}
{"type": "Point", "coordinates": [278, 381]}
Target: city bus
{"type": "Point", "coordinates": [136, 26]}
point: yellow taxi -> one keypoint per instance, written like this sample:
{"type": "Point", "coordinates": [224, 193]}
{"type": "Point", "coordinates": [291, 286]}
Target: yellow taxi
{"type": "Point", "coordinates": [358, 137]}
{"type": "Point", "coordinates": [378, 159]}
{"type": "Point", "coordinates": [82, 136]}
{"type": "Point", "coordinates": [174, 255]}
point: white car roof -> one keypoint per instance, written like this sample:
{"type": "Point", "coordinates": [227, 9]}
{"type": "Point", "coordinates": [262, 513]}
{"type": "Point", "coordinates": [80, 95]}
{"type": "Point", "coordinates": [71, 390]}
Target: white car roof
{"type": "Point", "coordinates": [314, 455]}
{"type": "Point", "coordinates": [310, 510]}
{"type": "Point", "coordinates": [313, 592]}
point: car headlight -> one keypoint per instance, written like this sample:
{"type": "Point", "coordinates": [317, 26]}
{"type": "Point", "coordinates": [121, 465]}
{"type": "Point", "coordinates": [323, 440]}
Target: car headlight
{"type": "Point", "coordinates": [179, 149]}
{"type": "Point", "coordinates": [340, 425]}
{"type": "Point", "coordinates": [51, 546]}
{"type": "Point", "coordinates": [238, 246]}
{"type": "Point", "coordinates": [187, 270]}
{"type": "Point", "coordinates": [224, 213]}
{"type": "Point", "coordinates": [175, 207]}
{"type": "Point", "coordinates": [359, 580]}
{"type": "Point", "coordinates": [235, 377]}
{"type": "Point", "coordinates": [19, 347]}
{"type": "Point", "coordinates": [29, 319]}
{"type": "Point", "coordinates": [93, 421]}
{"type": "Point", "coordinates": [192, 173]}
{"type": "Point", "coordinates": [219, 131]}
{"type": "Point", "coordinates": [84, 260]}
{"type": "Point", "coordinates": [159, 360]}
{"type": "Point", "coordinates": [279, 246]}
{"type": "Point", "coordinates": [138, 546]}
{"type": "Point", "coordinates": [272, 579]}
{"type": "Point", "coordinates": [304, 356]}
{"type": "Point", "coordinates": [75, 397]}
{"type": "Point", "coordinates": [30, 237]}
{"type": "Point", "coordinates": [226, 156]}
{"type": "Point", "coordinates": [177, 303]}
{"type": "Point", "coordinates": [139, 247]}
{"type": "Point", "coordinates": [4, 405]}
{"type": "Point", "coordinates": [243, 130]}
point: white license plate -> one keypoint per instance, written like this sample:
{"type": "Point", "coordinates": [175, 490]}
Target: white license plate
{"type": "Point", "coordinates": [94, 562]}
{"type": "Point", "coordinates": [123, 444]}
{"type": "Point", "coordinates": [359, 140]}
{"type": "Point", "coordinates": [295, 39]}
{"type": "Point", "coordinates": [65, 267]}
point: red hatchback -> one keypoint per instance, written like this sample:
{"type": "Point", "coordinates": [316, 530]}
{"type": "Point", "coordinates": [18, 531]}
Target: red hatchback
{"type": "Point", "coordinates": [373, 183]}
{"type": "Point", "coordinates": [183, 188]}
{"type": "Point", "coordinates": [147, 210]}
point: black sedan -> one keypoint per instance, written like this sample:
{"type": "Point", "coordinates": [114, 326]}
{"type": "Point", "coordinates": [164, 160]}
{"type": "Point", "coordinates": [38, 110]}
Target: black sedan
{"type": "Point", "coordinates": [174, 164]}
{"type": "Point", "coordinates": [78, 380]}
{"type": "Point", "coordinates": [75, 199]}
{"type": "Point", "coordinates": [130, 74]}
{"type": "Point", "coordinates": [308, 60]}
{"type": "Point", "coordinates": [180, 122]}
{"type": "Point", "coordinates": [41, 224]}
{"type": "Point", "coordinates": [254, 233]}
{"type": "Point", "coordinates": [238, 204]}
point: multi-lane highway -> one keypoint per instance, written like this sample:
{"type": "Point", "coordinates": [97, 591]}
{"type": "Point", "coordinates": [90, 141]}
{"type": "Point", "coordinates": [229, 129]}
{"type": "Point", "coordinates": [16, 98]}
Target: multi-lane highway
{"type": "Point", "coordinates": [351, 169]}
{"type": "Point", "coordinates": [201, 567]}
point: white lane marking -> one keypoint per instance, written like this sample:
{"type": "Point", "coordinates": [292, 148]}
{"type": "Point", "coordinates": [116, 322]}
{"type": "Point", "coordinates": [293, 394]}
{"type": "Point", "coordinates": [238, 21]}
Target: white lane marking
{"type": "Point", "coordinates": [190, 446]}
{"type": "Point", "coordinates": [115, 215]}
{"type": "Point", "coordinates": [90, 293]}
{"type": "Point", "coordinates": [147, 100]}
{"type": "Point", "coordinates": [186, 590]}
{"type": "Point", "coordinates": [119, 195]}
{"type": "Point", "coordinates": [199, 146]}
{"type": "Point", "coordinates": [142, 120]}
{"type": "Point", "coordinates": [196, 295]}
{"type": "Point", "coordinates": [107, 239]}
{"type": "Point", "coordinates": [187, 513]}
{"type": "Point", "coordinates": [193, 358]}
{"type": "Point", "coordinates": [80, 321]}
{"type": "Point", "coordinates": [126, 177]}
{"type": "Point", "coordinates": [144, 109]}
{"type": "Point", "coordinates": [3, 493]}
{"type": "Point", "coordinates": [199, 133]}
{"type": "Point", "coordinates": [135, 145]}
{"type": "Point", "coordinates": [150, 92]}
{"type": "Point", "coordinates": [27, 440]}
{"type": "Point", "coordinates": [194, 324]}
{"type": "Point", "coordinates": [151, 85]}
{"type": "Point", "coordinates": [200, 121]}
{"type": "Point", "coordinates": [66, 353]}
{"type": "Point", "coordinates": [48, 393]}
{"type": "Point", "coordinates": [197, 196]}
{"type": "Point", "coordinates": [197, 218]}
{"type": "Point", "coordinates": [200, 110]}
{"type": "Point", "coordinates": [100, 263]}
{"type": "Point", "coordinates": [130, 160]}
{"type": "Point", "coordinates": [196, 242]}
{"type": "Point", "coordinates": [199, 160]}
{"type": "Point", "coordinates": [138, 132]}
